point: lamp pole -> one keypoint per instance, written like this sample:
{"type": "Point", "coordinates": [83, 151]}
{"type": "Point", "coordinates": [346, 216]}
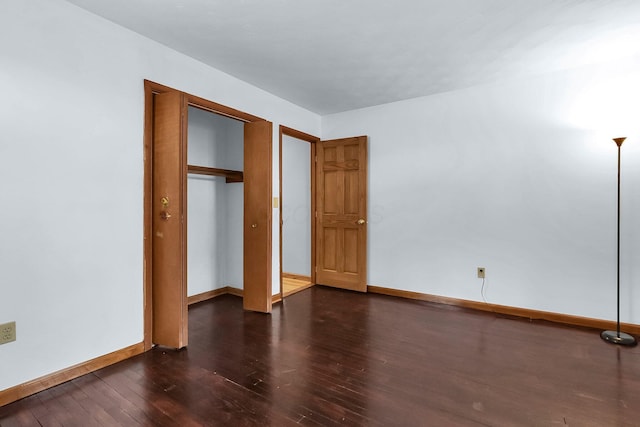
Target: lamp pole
{"type": "Point", "coordinates": [617, 337]}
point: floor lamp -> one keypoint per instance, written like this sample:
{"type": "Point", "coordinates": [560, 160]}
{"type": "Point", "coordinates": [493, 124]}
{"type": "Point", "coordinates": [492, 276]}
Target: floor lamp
{"type": "Point", "coordinates": [617, 337]}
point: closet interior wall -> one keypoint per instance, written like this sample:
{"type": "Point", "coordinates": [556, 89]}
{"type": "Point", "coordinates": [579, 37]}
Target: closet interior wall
{"type": "Point", "coordinates": [214, 206]}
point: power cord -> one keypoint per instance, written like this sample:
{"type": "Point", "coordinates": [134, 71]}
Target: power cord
{"type": "Point", "coordinates": [482, 291]}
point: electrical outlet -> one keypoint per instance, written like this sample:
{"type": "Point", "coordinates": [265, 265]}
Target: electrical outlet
{"type": "Point", "coordinates": [7, 332]}
{"type": "Point", "coordinates": [480, 272]}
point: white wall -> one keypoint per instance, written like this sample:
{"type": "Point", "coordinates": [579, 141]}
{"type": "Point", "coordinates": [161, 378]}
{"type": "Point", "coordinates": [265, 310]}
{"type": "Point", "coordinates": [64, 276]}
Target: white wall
{"type": "Point", "coordinates": [518, 177]}
{"type": "Point", "coordinates": [71, 167]}
{"type": "Point", "coordinates": [296, 206]}
{"type": "Point", "coordinates": [214, 237]}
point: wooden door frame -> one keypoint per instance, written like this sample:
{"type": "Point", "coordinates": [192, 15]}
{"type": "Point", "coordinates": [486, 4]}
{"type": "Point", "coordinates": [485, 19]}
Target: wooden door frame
{"type": "Point", "coordinates": [312, 140]}
{"type": "Point", "coordinates": [150, 89]}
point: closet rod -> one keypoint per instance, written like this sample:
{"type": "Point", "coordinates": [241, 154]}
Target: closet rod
{"type": "Point", "coordinates": [231, 175]}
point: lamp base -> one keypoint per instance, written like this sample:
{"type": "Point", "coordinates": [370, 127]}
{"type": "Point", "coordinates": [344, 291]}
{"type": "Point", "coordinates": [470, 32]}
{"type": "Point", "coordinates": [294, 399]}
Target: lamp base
{"type": "Point", "coordinates": [618, 338]}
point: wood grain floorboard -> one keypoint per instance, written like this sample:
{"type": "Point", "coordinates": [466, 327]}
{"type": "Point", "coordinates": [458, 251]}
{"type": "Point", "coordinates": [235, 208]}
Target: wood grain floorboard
{"type": "Point", "coordinates": [327, 357]}
{"type": "Point", "coordinates": [290, 285]}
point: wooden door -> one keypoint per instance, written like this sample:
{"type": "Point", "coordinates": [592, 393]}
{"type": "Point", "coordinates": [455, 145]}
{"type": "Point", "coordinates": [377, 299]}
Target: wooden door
{"type": "Point", "coordinates": [257, 216]}
{"type": "Point", "coordinates": [341, 223]}
{"type": "Point", "coordinates": [169, 225]}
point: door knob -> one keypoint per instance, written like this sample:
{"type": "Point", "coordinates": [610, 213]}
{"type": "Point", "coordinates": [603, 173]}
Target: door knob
{"type": "Point", "coordinates": [361, 221]}
{"type": "Point", "coordinates": [165, 215]}
{"type": "Point", "coordinates": [254, 225]}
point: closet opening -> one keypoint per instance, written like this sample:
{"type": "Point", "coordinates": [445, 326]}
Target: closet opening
{"type": "Point", "coordinates": [225, 179]}
{"type": "Point", "coordinates": [215, 205]}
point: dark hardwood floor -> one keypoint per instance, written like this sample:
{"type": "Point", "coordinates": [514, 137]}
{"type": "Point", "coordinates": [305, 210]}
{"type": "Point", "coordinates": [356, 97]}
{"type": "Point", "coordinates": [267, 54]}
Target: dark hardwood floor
{"type": "Point", "coordinates": [329, 357]}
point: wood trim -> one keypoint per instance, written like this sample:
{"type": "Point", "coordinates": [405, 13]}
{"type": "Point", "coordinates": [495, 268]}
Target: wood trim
{"type": "Point", "coordinates": [204, 104]}
{"type": "Point", "coordinates": [149, 88]}
{"type": "Point", "coordinates": [20, 391]}
{"type": "Point", "coordinates": [280, 133]}
{"type": "Point", "coordinates": [156, 87]}
{"type": "Point", "coordinates": [281, 221]}
{"type": "Point", "coordinates": [298, 134]}
{"type": "Point", "coordinates": [527, 313]}
{"type": "Point", "coordinates": [223, 110]}
{"type": "Point", "coordinates": [314, 209]}
{"type": "Point", "coordinates": [296, 276]}
{"type": "Point", "coordinates": [240, 293]}
{"type": "Point", "coordinates": [284, 130]}
{"type": "Point", "coordinates": [204, 296]}
{"type": "Point", "coordinates": [227, 290]}
{"type": "Point", "coordinates": [235, 291]}
{"type": "Point", "coordinates": [231, 175]}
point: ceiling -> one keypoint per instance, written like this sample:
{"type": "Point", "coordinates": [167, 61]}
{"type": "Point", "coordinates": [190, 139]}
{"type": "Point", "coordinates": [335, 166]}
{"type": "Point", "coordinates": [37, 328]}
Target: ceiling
{"type": "Point", "coordinates": [336, 55]}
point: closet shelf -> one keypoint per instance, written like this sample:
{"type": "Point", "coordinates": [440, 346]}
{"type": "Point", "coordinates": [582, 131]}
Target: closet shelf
{"type": "Point", "coordinates": [232, 176]}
